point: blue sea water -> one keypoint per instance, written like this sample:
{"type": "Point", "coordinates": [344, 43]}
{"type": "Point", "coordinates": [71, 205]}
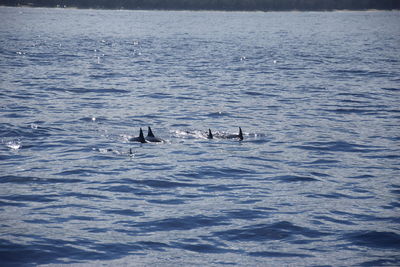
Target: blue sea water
{"type": "Point", "coordinates": [315, 182]}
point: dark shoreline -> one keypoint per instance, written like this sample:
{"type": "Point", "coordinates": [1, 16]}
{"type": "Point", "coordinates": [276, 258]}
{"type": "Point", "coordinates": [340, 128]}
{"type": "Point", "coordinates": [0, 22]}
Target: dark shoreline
{"type": "Point", "coordinates": [213, 5]}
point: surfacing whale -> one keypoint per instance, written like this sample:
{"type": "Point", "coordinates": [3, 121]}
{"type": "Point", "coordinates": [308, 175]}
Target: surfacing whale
{"type": "Point", "coordinates": [151, 138]}
{"type": "Point", "coordinates": [229, 136]}
{"type": "Point", "coordinates": [234, 136]}
{"type": "Point", "coordinates": [139, 139]}
{"type": "Point", "coordinates": [210, 135]}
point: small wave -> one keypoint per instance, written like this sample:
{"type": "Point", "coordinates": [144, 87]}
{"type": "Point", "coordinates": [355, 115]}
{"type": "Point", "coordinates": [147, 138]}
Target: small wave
{"type": "Point", "coordinates": [354, 110]}
{"type": "Point", "coordinates": [263, 232]}
{"type": "Point", "coordinates": [31, 198]}
{"type": "Point", "coordinates": [375, 239]}
{"type": "Point", "coordinates": [365, 176]}
{"type": "Point", "coordinates": [323, 162]}
{"type": "Point", "coordinates": [294, 178]}
{"type": "Point", "coordinates": [124, 212]}
{"type": "Point", "coordinates": [31, 179]}
{"type": "Point", "coordinates": [382, 262]}
{"type": "Point", "coordinates": [333, 220]}
{"type": "Point", "coordinates": [158, 183]}
{"type": "Point", "coordinates": [167, 201]}
{"type": "Point", "coordinates": [202, 248]}
{"type": "Point", "coordinates": [337, 146]}
{"type": "Point", "coordinates": [338, 196]}
{"type": "Point", "coordinates": [245, 214]}
{"type": "Point", "coordinates": [269, 254]}
{"type": "Point", "coordinates": [157, 95]}
{"type": "Point", "coordinates": [180, 224]}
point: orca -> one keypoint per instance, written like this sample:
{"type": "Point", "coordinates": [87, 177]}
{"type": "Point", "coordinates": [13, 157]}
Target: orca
{"type": "Point", "coordinates": [151, 138]}
{"type": "Point", "coordinates": [139, 139]}
{"type": "Point", "coordinates": [210, 135]}
{"type": "Point", "coordinates": [233, 136]}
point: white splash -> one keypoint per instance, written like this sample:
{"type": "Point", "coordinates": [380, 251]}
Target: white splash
{"type": "Point", "coordinates": [14, 145]}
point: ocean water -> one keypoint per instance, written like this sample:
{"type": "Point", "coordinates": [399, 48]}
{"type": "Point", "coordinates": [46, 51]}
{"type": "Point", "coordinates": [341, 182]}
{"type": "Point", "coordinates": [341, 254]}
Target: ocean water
{"type": "Point", "coordinates": [315, 182]}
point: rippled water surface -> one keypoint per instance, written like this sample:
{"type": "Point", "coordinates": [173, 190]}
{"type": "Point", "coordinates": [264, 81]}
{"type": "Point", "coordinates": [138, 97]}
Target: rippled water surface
{"type": "Point", "coordinates": [315, 182]}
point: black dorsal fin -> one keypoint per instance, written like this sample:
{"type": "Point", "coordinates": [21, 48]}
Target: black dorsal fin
{"type": "Point", "coordinates": [141, 137]}
{"type": "Point", "coordinates": [240, 134]}
{"type": "Point", "coordinates": [210, 135]}
{"type": "Point", "coordinates": [150, 133]}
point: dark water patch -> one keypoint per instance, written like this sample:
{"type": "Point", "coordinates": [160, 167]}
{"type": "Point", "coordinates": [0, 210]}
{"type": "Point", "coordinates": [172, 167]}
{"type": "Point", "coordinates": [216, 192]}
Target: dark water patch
{"type": "Point", "coordinates": [155, 183]}
{"type": "Point", "coordinates": [271, 254]}
{"type": "Point", "coordinates": [356, 95]}
{"type": "Point", "coordinates": [330, 219]}
{"type": "Point", "coordinates": [158, 246]}
{"type": "Point", "coordinates": [294, 179]}
{"type": "Point", "coordinates": [80, 172]}
{"type": "Point", "coordinates": [202, 248]}
{"type": "Point", "coordinates": [153, 166]}
{"type": "Point", "coordinates": [263, 232]}
{"type": "Point", "coordinates": [354, 110]}
{"type": "Point", "coordinates": [157, 95]}
{"type": "Point", "coordinates": [364, 176]}
{"type": "Point", "coordinates": [245, 214]}
{"type": "Point", "coordinates": [167, 201]}
{"type": "Point", "coordinates": [111, 91]}
{"type": "Point", "coordinates": [95, 230]}
{"type": "Point", "coordinates": [366, 217]}
{"type": "Point", "coordinates": [28, 179]}
{"type": "Point", "coordinates": [393, 261]}
{"type": "Point", "coordinates": [222, 188]}
{"type": "Point", "coordinates": [391, 89]}
{"type": "Point", "coordinates": [115, 250]}
{"type": "Point", "coordinates": [125, 189]}
{"type": "Point", "coordinates": [64, 206]}
{"type": "Point", "coordinates": [390, 156]}
{"type": "Point", "coordinates": [74, 218]}
{"type": "Point", "coordinates": [363, 73]}
{"type": "Point", "coordinates": [12, 254]}
{"type": "Point", "coordinates": [216, 172]}
{"type": "Point", "coordinates": [124, 212]}
{"type": "Point", "coordinates": [375, 239]}
{"type": "Point", "coordinates": [319, 174]}
{"type": "Point", "coordinates": [37, 221]}
{"type": "Point", "coordinates": [83, 195]}
{"type": "Point", "coordinates": [180, 224]}
{"type": "Point", "coordinates": [392, 205]}
{"type": "Point", "coordinates": [337, 196]}
{"type": "Point", "coordinates": [180, 125]}
{"type": "Point", "coordinates": [31, 198]}
{"type": "Point", "coordinates": [12, 204]}
{"type": "Point", "coordinates": [395, 191]}
{"type": "Point", "coordinates": [352, 101]}
{"type": "Point", "coordinates": [26, 131]}
{"type": "Point", "coordinates": [338, 146]}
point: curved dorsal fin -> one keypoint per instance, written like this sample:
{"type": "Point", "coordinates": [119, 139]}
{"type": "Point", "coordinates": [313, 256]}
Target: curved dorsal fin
{"type": "Point", "coordinates": [150, 133]}
{"type": "Point", "coordinates": [240, 134]}
{"type": "Point", "coordinates": [210, 135]}
{"type": "Point", "coordinates": [141, 137]}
